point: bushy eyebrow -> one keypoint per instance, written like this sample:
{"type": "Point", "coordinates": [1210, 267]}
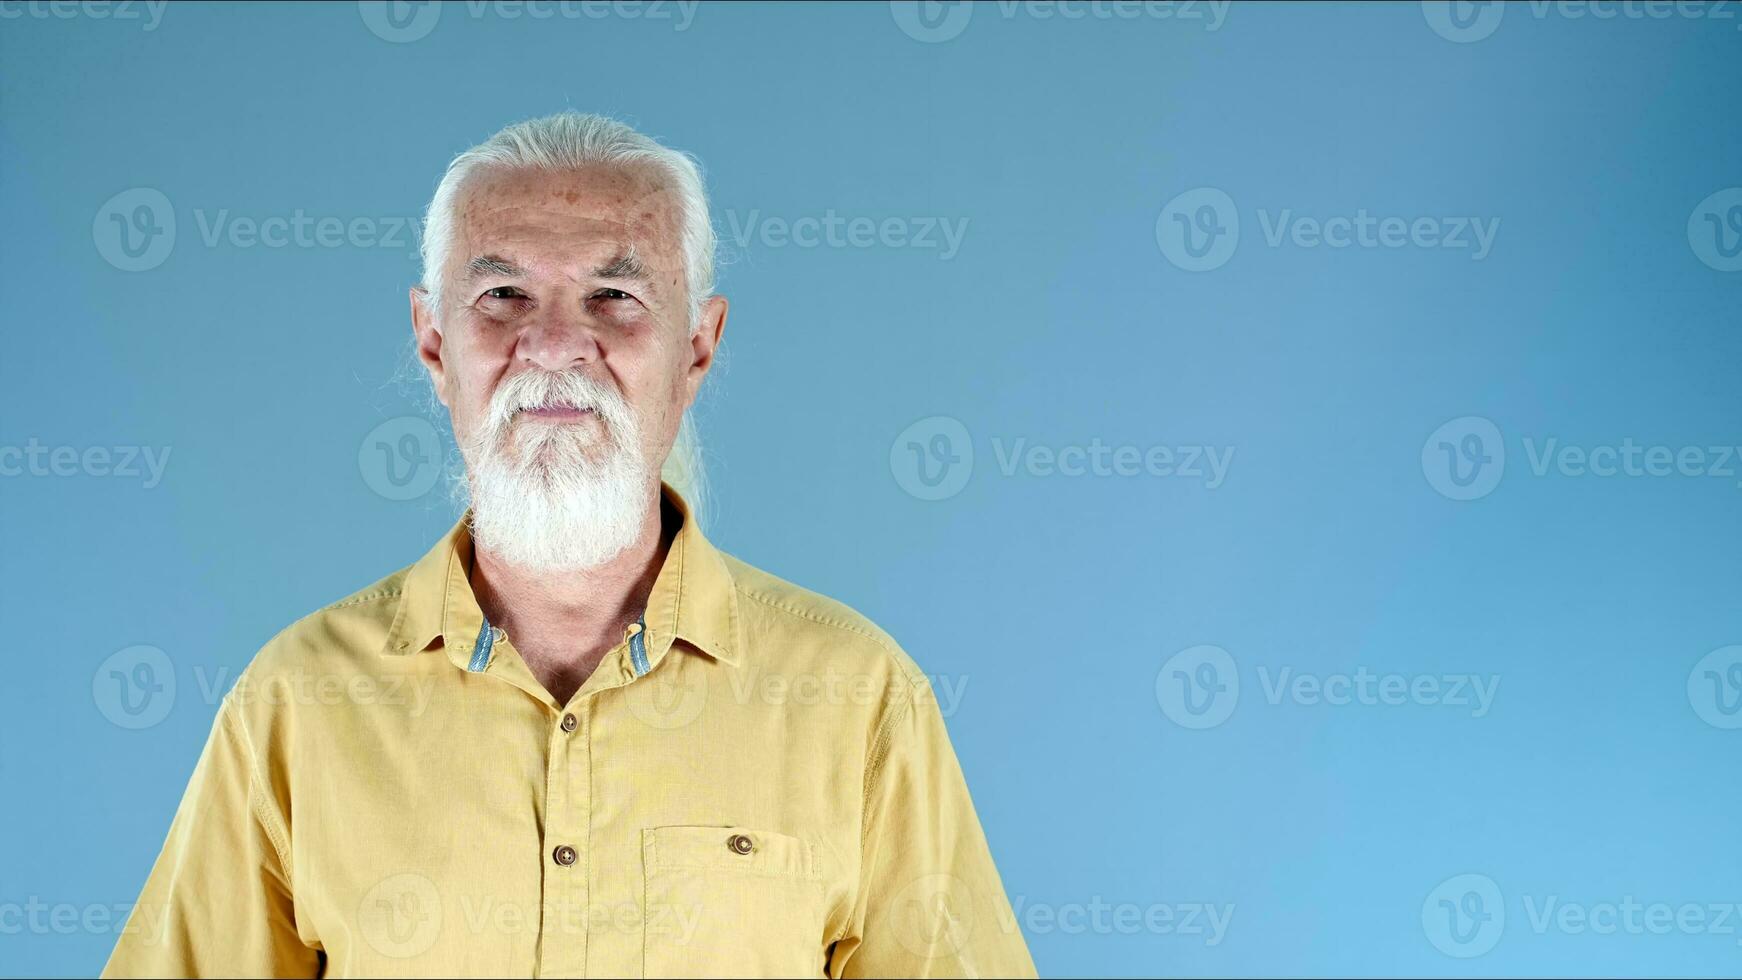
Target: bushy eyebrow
{"type": "Point", "coordinates": [626, 265]}
{"type": "Point", "coordinates": [491, 265]}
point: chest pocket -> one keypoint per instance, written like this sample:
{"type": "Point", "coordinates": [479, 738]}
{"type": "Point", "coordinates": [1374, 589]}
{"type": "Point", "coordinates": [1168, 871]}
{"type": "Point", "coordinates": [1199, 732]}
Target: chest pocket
{"type": "Point", "coordinates": [730, 901]}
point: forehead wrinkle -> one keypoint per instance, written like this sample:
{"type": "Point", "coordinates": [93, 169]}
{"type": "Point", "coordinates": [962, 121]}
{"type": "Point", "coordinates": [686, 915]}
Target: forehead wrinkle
{"type": "Point", "coordinates": [560, 224]}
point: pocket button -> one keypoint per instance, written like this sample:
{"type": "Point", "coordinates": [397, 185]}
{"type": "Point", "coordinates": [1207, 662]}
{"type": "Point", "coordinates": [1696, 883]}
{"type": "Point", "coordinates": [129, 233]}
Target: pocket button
{"type": "Point", "coordinates": [740, 844]}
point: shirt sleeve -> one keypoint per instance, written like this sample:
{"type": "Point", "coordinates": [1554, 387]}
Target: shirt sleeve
{"type": "Point", "coordinates": [930, 902]}
{"type": "Point", "coordinates": [218, 901]}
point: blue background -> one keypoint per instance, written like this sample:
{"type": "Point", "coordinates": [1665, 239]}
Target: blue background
{"type": "Point", "coordinates": [1060, 320]}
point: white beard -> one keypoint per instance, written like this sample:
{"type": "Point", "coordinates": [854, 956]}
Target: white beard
{"type": "Point", "coordinates": [557, 496]}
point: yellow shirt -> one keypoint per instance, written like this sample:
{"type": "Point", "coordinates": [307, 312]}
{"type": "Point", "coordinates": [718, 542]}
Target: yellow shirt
{"type": "Point", "coordinates": [757, 781]}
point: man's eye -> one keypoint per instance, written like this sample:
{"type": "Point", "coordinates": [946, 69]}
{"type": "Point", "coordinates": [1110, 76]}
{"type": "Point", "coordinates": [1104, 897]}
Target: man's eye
{"type": "Point", "coordinates": [504, 292]}
{"type": "Point", "coordinates": [611, 294]}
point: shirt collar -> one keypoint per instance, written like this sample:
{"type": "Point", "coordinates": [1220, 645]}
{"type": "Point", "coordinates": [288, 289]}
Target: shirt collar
{"type": "Point", "coordinates": [693, 597]}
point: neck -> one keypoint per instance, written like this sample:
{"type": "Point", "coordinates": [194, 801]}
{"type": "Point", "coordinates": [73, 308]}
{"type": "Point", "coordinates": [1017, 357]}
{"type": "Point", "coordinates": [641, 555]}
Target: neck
{"type": "Point", "coordinates": [568, 620]}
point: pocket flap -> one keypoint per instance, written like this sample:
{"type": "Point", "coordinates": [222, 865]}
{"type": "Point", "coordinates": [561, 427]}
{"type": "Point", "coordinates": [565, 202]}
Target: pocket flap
{"type": "Point", "coordinates": [737, 849]}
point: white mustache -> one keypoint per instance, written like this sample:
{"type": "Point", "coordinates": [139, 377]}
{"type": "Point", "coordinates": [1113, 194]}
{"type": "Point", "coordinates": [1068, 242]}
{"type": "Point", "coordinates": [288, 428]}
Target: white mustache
{"type": "Point", "coordinates": [550, 389]}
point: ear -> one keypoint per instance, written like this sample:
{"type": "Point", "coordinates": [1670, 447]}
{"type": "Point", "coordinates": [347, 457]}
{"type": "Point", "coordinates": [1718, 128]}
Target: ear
{"type": "Point", "coordinates": [703, 343]}
{"type": "Point", "coordinates": [429, 340]}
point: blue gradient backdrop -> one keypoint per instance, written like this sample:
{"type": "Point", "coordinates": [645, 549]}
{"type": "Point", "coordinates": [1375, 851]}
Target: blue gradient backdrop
{"type": "Point", "coordinates": [1092, 170]}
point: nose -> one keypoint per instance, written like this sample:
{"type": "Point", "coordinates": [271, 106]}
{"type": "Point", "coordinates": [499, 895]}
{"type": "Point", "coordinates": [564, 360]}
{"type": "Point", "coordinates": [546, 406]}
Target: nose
{"type": "Point", "coordinates": [557, 340]}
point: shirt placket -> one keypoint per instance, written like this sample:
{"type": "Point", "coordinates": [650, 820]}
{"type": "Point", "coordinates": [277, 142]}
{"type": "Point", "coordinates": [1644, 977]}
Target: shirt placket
{"type": "Point", "coordinates": [566, 918]}
{"type": "Point", "coordinates": [567, 852]}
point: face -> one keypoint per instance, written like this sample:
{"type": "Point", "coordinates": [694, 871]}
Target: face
{"type": "Point", "coordinates": [570, 273]}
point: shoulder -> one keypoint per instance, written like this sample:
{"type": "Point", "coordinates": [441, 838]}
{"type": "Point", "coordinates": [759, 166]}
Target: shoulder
{"type": "Point", "coordinates": [339, 639]}
{"type": "Point", "coordinates": [789, 627]}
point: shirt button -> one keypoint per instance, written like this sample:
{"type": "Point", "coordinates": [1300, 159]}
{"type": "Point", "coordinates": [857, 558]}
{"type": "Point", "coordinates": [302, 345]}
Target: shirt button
{"type": "Point", "coordinates": [570, 723]}
{"type": "Point", "coordinates": [740, 844]}
{"type": "Point", "coordinates": [564, 855]}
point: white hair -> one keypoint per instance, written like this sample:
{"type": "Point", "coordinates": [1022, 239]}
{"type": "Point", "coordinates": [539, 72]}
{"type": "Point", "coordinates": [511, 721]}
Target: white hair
{"type": "Point", "coordinates": [574, 141]}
